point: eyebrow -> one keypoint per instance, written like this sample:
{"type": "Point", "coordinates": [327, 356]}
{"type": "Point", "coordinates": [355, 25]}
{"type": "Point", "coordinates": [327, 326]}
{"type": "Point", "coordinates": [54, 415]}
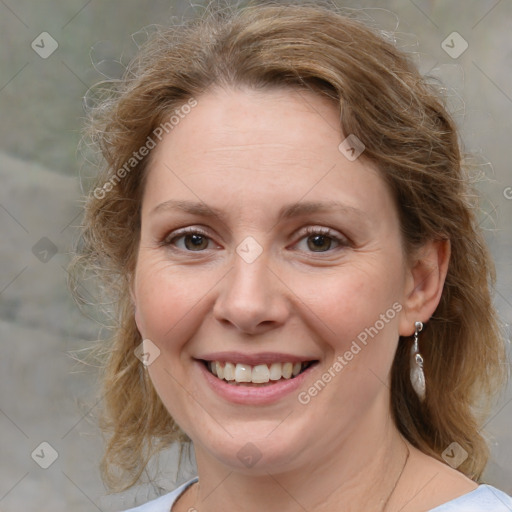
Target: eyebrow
{"type": "Point", "coordinates": [286, 212]}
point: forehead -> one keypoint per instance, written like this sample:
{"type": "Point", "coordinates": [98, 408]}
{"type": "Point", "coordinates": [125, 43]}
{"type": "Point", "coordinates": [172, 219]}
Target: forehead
{"type": "Point", "coordinates": [229, 119]}
{"type": "Point", "coordinates": [260, 148]}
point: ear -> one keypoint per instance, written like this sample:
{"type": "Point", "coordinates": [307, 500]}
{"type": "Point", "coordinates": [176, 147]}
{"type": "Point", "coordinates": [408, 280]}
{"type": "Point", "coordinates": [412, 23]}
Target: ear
{"type": "Point", "coordinates": [424, 284]}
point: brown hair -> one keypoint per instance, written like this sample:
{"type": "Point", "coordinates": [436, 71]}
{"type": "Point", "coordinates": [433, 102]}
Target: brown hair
{"type": "Point", "coordinates": [409, 135]}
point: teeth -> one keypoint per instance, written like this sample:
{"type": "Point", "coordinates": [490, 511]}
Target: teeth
{"type": "Point", "coordinates": [243, 373]}
{"type": "Point", "coordinates": [259, 374]}
{"type": "Point", "coordinates": [229, 371]}
{"type": "Point", "coordinates": [275, 371]}
{"type": "Point", "coordinates": [219, 371]}
{"type": "Point", "coordinates": [287, 370]}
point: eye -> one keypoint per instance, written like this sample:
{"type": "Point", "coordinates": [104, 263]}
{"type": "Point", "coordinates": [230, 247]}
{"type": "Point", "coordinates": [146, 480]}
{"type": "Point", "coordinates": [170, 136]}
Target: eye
{"type": "Point", "coordinates": [317, 239]}
{"type": "Point", "coordinates": [194, 240]}
{"type": "Point", "coordinates": [321, 239]}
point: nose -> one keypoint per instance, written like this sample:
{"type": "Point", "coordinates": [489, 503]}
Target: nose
{"type": "Point", "coordinates": [252, 298]}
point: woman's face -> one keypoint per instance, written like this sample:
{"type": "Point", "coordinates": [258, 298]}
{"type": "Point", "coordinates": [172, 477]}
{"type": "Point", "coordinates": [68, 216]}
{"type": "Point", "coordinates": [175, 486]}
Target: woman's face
{"type": "Point", "coordinates": [291, 262]}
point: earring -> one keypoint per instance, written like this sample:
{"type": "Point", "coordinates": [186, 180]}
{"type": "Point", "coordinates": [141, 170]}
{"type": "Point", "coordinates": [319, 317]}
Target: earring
{"type": "Point", "coordinates": [416, 373]}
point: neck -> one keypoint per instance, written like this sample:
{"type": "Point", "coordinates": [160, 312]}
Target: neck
{"type": "Point", "coordinates": [356, 473]}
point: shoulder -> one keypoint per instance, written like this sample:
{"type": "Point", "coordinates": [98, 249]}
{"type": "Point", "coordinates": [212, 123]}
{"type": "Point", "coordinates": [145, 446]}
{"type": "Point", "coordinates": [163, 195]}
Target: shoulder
{"type": "Point", "coordinates": [165, 502]}
{"type": "Point", "coordinates": [485, 498]}
{"type": "Point", "coordinates": [435, 486]}
{"type": "Point", "coordinates": [447, 490]}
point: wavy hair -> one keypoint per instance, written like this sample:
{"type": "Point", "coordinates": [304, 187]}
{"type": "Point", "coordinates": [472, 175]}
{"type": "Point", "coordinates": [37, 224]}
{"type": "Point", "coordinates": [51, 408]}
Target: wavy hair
{"type": "Point", "coordinates": [408, 134]}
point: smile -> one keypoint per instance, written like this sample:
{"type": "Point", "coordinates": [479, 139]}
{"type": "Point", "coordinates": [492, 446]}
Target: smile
{"type": "Point", "coordinates": [263, 374]}
{"type": "Point", "coordinates": [255, 379]}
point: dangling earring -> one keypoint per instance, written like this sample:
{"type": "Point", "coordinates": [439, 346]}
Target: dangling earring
{"type": "Point", "coordinates": [417, 375]}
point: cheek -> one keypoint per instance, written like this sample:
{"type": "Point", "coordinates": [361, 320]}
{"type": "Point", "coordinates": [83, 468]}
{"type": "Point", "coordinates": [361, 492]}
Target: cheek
{"type": "Point", "coordinates": [168, 300]}
{"type": "Point", "coordinates": [357, 313]}
{"type": "Point", "coordinates": [168, 307]}
{"type": "Point", "coordinates": [352, 300]}
{"type": "Point", "coordinates": [361, 312]}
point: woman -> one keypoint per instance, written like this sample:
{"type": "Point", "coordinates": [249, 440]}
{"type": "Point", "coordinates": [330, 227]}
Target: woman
{"type": "Point", "coordinates": [302, 290]}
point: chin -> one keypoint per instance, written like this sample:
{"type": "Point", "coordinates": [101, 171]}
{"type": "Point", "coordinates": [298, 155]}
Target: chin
{"type": "Point", "coordinates": [253, 447]}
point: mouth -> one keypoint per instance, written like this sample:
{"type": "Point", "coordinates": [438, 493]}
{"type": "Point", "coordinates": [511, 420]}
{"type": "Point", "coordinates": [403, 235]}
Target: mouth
{"type": "Point", "coordinates": [259, 375]}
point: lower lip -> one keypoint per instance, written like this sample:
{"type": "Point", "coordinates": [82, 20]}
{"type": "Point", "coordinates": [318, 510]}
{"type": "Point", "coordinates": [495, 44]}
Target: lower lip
{"type": "Point", "coordinates": [257, 395]}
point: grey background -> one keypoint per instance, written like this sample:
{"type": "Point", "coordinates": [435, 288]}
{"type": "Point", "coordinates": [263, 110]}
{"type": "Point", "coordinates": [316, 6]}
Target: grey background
{"type": "Point", "coordinates": [45, 395]}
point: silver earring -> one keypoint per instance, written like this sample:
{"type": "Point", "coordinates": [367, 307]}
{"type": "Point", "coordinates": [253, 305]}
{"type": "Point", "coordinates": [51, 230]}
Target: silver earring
{"type": "Point", "coordinates": [417, 375]}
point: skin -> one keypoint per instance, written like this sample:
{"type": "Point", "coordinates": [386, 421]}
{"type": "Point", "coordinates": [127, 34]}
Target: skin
{"type": "Point", "coordinates": [249, 153]}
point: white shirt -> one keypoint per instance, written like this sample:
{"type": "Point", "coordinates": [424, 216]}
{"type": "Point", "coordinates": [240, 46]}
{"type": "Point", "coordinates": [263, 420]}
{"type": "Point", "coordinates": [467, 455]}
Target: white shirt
{"type": "Point", "coordinates": [484, 498]}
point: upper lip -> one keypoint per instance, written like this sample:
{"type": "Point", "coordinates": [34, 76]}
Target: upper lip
{"type": "Point", "coordinates": [255, 359]}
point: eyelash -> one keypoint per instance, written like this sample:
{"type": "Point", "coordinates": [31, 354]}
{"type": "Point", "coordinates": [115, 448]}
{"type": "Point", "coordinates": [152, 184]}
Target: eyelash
{"type": "Point", "coordinates": [307, 232]}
